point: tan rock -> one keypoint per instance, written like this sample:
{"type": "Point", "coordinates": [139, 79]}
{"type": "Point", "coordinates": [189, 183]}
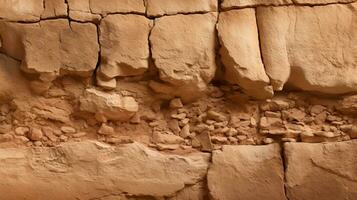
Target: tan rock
{"type": "Point", "coordinates": [164, 7]}
{"type": "Point", "coordinates": [194, 192]}
{"type": "Point", "coordinates": [187, 63]}
{"type": "Point", "coordinates": [321, 171]}
{"type": "Point", "coordinates": [134, 170]}
{"type": "Point", "coordinates": [36, 134]}
{"type": "Point", "coordinates": [117, 6]}
{"type": "Point", "coordinates": [240, 52]}
{"type": "Point", "coordinates": [54, 9]}
{"type": "Point", "coordinates": [106, 84]}
{"type": "Point", "coordinates": [353, 132]}
{"type": "Point", "coordinates": [348, 105]}
{"type": "Point", "coordinates": [321, 2]}
{"type": "Point", "coordinates": [247, 172]}
{"type": "Point", "coordinates": [167, 138]}
{"type": "Point", "coordinates": [106, 130]}
{"type": "Point", "coordinates": [80, 10]}
{"type": "Point", "coordinates": [110, 106]}
{"type": "Point", "coordinates": [297, 31]}
{"type": "Point", "coordinates": [21, 10]}
{"type": "Point", "coordinates": [124, 45]}
{"type": "Point", "coordinates": [248, 3]}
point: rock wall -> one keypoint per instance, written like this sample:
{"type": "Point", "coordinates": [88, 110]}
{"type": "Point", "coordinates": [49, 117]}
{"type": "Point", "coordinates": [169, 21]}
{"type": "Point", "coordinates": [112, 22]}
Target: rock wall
{"type": "Point", "coordinates": [175, 99]}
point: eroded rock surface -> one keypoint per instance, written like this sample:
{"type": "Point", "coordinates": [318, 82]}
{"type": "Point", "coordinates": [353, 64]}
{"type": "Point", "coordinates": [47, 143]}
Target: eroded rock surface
{"type": "Point", "coordinates": [21, 10]}
{"type": "Point", "coordinates": [321, 171]}
{"type": "Point", "coordinates": [90, 170]}
{"type": "Point", "coordinates": [237, 171]}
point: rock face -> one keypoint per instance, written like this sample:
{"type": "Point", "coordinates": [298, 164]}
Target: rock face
{"type": "Point", "coordinates": [54, 8]}
{"type": "Point", "coordinates": [245, 3]}
{"type": "Point", "coordinates": [247, 172]}
{"type": "Point", "coordinates": [115, 6]}
{"type": "Point", "coordinates": [187, 63]}
{"type": "Point", "coordinates": [240, 52]}
{"type": "Point", "coordinates": [289, 34]}
{"type": "Point", "coordinates": [321, 171]}
{"type": "Point", "coordinates": [21, 10]}
{"type": "Point", "coordinates": [108, 106]}
{"type": "Point", "coordinates": [80, 10]}
{"type": "Point", "coordinates": [164, 7]}
{"type": "Point", "coordinates": [124, 45]}
{"type": "Point", "coordinates": [90, 170]}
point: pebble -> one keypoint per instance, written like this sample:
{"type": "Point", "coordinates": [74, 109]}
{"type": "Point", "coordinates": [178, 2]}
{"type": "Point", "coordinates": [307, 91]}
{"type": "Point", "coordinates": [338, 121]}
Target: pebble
{"type": "Point", "coordinates": [21, 131]}
{"type": "Point", "coordinates": [35, 134]}
{"type": "Point", "coordinates": [120, 140]}
{"type": "Point", "coordinates": [288, 139]}
{"type": "Point", "coordinates": [268, 140]}
{"type": "Point", "coordinates": [180, 116]}
{"type": "Point", "coordinates": [68, 129]}
{"type": "Point", "coordinates": [185, 131]}
{"type": "Point", "coordinates": [78, 135]}
{"type": "Point", "coordinates": [176, 103]}
{"type": "Point", "coordinates": [324, 134]}
{"type": "Point", "coordinates": [105, 130]}
{"type": "Point", "coordinates": [63, 138]}
{"type": "Point", "coordinates": [211, 114]}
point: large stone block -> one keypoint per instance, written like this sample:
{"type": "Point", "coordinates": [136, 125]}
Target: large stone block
{"type": "Point", "coordinates": [91, 170]}
{"type": "Point", "coordinates": [247, 172]}
{"type": "Point", "coordinates": [164, 7]}
{"type": "Point", "coordinates": [311, 48]}
{"type": "Point", "coordinates": [183, 49]}
{"type": "Point", "coordinates": [321, 171]}
{"type": "Point", "coordinates": [240, 52]}
{"type": "Point", "coordinates": [54, 9]}
{"type": "Point", "coordinates": [80, 10]}
{"type": "Point", "coordinates": [124, 41]}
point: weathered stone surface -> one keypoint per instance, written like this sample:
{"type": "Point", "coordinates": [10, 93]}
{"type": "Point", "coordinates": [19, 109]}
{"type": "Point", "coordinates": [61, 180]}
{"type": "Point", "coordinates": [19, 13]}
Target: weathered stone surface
{"type": "Point", "coordinates": [21, 10]}
{"type": "Point", "coordinates": [108, 106]}
{"type": "Point", "coordinates": [194, 192]}
{"type": "Point", "coordinates": [52, 47]}
{"type": "Point", "coordinates": [348, 105]}
{"type": "Point", "coordinates": [247, 172]}
{"type": "Point", "coordinates": [54, 8]}
{"type": "Point", "coordinates": [240, 52]}
{"type": "Point", "coordinates": [253, 3]}
{"type": "Point", "coordinates": [164, 7]}
{"type": "Point", "coordinates": [117, 6]}
{"type": "Point", "coordinates": [80, 10]}
{"type": "Point", "coordinates": [315, 47]}
{"type": "Point", "coordinates": [89, 170]}
{"type": "Point", "coordinates": [124, 45]}
{"type": "Point", "coordinates": [10, 73]}
{"type": "Point", "coordinates": [186, 63]}
{"type": "Point", "coordinates": [321, 171]}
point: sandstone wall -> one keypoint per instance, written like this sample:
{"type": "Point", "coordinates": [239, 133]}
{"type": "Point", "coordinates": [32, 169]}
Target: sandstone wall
{"type": "Point", "coordinates": [159, 99]}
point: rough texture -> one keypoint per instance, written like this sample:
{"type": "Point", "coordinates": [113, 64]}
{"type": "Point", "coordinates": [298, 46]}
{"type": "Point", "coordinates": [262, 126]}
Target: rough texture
{"type": "Point", "coordinates": [90, 170]}
{"type": "Point", "coordinates": [164, 7]}
{"type": "Point", "coordinates": [240, 52]}
{"type": "Point", "coordinates": [117, 6]}
{"type": "Point", "coordinates": [228, 4]}
{"type": "Point", "coordinates": [80, 10]}
{"type": "Point", "coordinates": [237, 171]}
{"type": "Point", "coordinates": [188, 62]}
{"type": "Point", "coordinates": [124, 45]}
{"type": "Point", "coordinates": [21, 10]}
{"type": "Point", "coordinates": [300, 31]}
{"type": "Point", "coordinates": [54, 8]}
{"type": "Point", "coordinates": [321, 171]}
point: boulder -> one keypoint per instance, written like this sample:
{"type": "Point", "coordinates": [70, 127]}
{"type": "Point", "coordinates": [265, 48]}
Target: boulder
{"type": "Point", "coordinates": [187, 63]}
{"type": "Point", "coordinates": [163, 7]}
{"type": "Point", "coordinates": [247, 172]}
{"type": "Point", "coordinates": [52, 47]}
{"type": "Point", "coordinates": [348, 105]}
{"type": "Point", "coordinates": [240, 52]}
{"type": "Point", "coordinates": [108, 106]}
{"type": "Point", "coordinates": [310, 48]}
{"type": "Point", "coordinates": [124, 45]}
{"type": "Point", "coordinates": [321, 171]}
{"type": "Point", "coordinates": [89, 170]}
{"type": "Point", "coordinates": [21, 10]}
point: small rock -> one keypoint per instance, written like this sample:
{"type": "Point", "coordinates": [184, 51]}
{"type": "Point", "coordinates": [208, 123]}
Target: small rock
{"type": "Point", "coordinates": [268, 140]}
{"type": "Point", "coordinates": [216, 116]}
{"type": "Point", "coordinates": [326, 134]}
{"type": "Point", "coordinates": [4, 109]}
{"type": "Point", "coordinates": [6, 137]}
{"type": "Point", "coordinates": [5, 128]}
{"type": "Point", "coordinates": [173, 125]}
{"type": "Point", "coordinates": [176, 103]}
{"type": "Point", "coordinates": [120, 140]}
{"type": "Point", "coordinates": [68, 130]}
{"type": "Point", "coordinates": [35, 134]}
{"type": "Point", "coordinates": [39, 87]}
{"type": "Point", "coordinates": [38, 143]}
{"type": "Point", "coordinates": [185, 131]}
{"type": "Point", "coordinates": [164, 147]}
{"type": "Point", "coordinates": [253, 122]}
{"type": "Point", "coordinates": [162, 138]}
{"type": "Point", "coordinates": [288, 139]}
{"type": "Point", "coordinates": [293, 114]}
{"type": "Point", "coordinates": [180, 116]}
{"type": "Point", "coordinates": [105, 130]}
{"type": "Point", "coordinates": [205, 141]}
{"type": "Point", "coordinates": [272, 114]}
{"type": "Point", "coordinates": [266, 122]}
{"type": "Point", "coordinates": [317, 109]}
{"type": "Point", "coordinates": [21, 139]}
{"type": "Point", "coordinates": [346, 128]}
{"type": "Point", "coordinates": [21, 131]}
{"type": "Point", "coordinates": [78, 135]}
{"type": "Point", "coordinates": [219, 140]}
{"type": "Point", "coordinates": [135, 119]}
{"type": "Point", "coordinates": [63, 138]}
{"type": "Point", "coordinates": [107, 84]}
{"type": "Point", "coordinates": [353, 132]}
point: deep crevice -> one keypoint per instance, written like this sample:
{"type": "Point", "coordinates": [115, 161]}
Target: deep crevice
{"type": "Point", "coordinates": [285, 166]}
